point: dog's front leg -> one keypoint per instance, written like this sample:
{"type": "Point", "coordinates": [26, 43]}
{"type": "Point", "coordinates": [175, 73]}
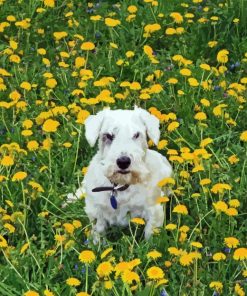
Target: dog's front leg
{"type": "Point", "coordinates": [148, 231]}
{"type": "Point", "coordinates": [98, 228]}
{"type": "Point", "coordinates": [154, 217]}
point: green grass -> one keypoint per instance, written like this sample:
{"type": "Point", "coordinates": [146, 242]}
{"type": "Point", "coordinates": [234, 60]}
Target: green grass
{"type": "Point", "coordinates": [58, 169]}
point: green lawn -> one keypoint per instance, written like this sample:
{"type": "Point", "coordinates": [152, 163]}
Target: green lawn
{"type": "Point", "coordinates": [185, 62]}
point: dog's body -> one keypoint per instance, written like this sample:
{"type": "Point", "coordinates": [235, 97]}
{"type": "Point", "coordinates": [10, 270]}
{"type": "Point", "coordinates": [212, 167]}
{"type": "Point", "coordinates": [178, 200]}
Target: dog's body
{"type": "Point", "coordinates": [124, 158]}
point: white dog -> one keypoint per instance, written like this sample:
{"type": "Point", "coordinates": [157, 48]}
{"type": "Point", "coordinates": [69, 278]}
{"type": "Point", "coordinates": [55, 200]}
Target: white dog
{"type": "Point", "coordinates": [122, 177]}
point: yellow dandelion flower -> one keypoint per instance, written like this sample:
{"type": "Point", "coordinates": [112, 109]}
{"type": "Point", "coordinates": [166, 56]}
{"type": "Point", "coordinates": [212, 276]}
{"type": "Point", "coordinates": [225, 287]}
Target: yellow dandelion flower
{"type": "Point", "coordinates": [243, 136]}
{"type": "Point", "coordinates": [32, 145]}
{"type": "Point", "coordinates": [177, 17]}
{"type": "Point", "coordinates": [26, 85]}
{"type": "Point", "coordinates": [170, 226]}
{"type": "Point", "coordinates": [162, 199]}
{"type": "Point", "coordinates": [60, 35]}
{"type": "Point", "coordinates": [233, 159]}
{"type": "Point", "coordinates": [220, 206]}
{"type": "Point", "coordinates": [220, 187]}
{"type": "Point", "coordinates": [185, 72]}
{"type": "Point", "coordinates": [132, 9]}
{"type": "Point", "coordinates": [196, 245]}
{"type": "Point", "coordinates": [87, 256]}
{"type": "Point", "coordinates": [49, 3]}
{"type": "Point", "coordinates": [244, 273]}
{"type": "Point", "coordinates": [69, 228]}
{"type": "Point", "coordinates": [193, 82]}
{"type": "Point", "coordinates": [95, 18]}
{"type": "Point", "coordinates": [87, 46]}
{"type": "Point", "coordinates": [174, 251]}
{"type": "Point", "coordinates": [239, 290]}
{"type": "Point", "coordinates": [36, 186]}
{"type": "Point", "coordinates": [67, 144]}
{"type": "Point", "coordinates": [231, 212]}
{"type": "Point", "coordinates": [184, 228]}
{"type": "Point", "coordinates": [234, 203]}
{"type": "Point", "coordinates": [76, 224]}
{"type": "Point", "coordinates": [173, 126]}
{"type": "Point", "coordinates": [200, 116]}
{"type": "Point", "coordinates": [150, 28]}
{"type": "Point", "coordinates": [129, 277]}
{"type": "Point", "coordinates": [108, 285]}
{"type": "Point", "coordinates": [219, 256]}
{"type": "Point", "coordinates": [138, 221]}
{"type": "Point", "coordinates": [110, 22]}
{"type": "Point", "coordinates": [196, 255]}
{"type": "Point", "coordinates": [26, 133]}
{"type": "Point", "coordinates": [205, 67]}
{"type": "Point", "coordinates": [167, 263]}
{"type": "Point", "coordinates": [24, 248]}
{"type": "Point", "coordinates": [218, 286]}
{"type": "Point", "coordinates": [222, 56]}
{"type": "Point", "coordinates": [155, 88]}
{"type": "Point", "coordinates": [41, 51]}
{"type": "Point", "coordinates": [133, 263]}
{"type": "Point", "coordinates": [135, 85]}
{"type": "Point", "coordinates": [172, 81]}
{"type": "Point", "coordinates": [80, 62]}
{"type": "Point", "coordinates": [184, 174]}
{"type": "Point", "coordinates": [9, 203]}
{"type": "Point", "coordinates": [205, 181]}
{"type": "Point", "coordinates": [73, 282]}
{"type": "Point", "coordinates": [166, 181]}
{"type": "Point", "coordinates": [51, 83]}
{"type": "Point", "coordinates": [129, 54]}
{"type": "Point", "coordinates": [48, 293]}
{"type": "Point", "coordinates": [121, 267]}
{"type": "Point", "coordinates": [31, 293]}
{"type": "Point", "coordinates": [205, 102]}
{"type": "Point", "coordinates": [104, 269]}
{"type": "Point", "coordinates": [170, 31]}
{"type": "Point", "coordinates": [50, 125]}
{"type": "Point", "coordinates": [180, 209]}
{"type": "Point", "coordinates": [19, 176]}
{"type": "Point", "coordinates": [206, 142]}
{"type": "Point", "coordinates": [9, 227]}
{"type": "Point", "coordinates": [154, 254]}
{"type": "Point", "coordinates": [3, 242]}
{"type": "Point", "coordinates": [155, 273]}
{"type": "Point", "coordinates": [105, 253]}
{"type": "Point", "coordinates": [240, 254]}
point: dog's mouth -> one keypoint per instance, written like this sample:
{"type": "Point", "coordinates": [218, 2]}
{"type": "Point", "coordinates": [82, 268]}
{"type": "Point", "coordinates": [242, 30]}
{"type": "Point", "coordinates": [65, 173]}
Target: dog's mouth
{"type": "Point", "coordinates": [123, 172]}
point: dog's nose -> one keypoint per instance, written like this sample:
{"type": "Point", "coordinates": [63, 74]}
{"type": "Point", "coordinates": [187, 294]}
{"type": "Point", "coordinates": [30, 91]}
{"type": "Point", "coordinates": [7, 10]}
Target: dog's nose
{"type": "Point", "coordinates": [123, 162]}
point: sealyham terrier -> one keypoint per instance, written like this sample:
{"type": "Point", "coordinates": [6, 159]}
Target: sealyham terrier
{"type": "Point", "coordinates": [122, 177]}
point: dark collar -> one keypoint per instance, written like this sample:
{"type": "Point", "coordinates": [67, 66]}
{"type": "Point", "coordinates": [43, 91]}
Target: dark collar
{"type": "Point", "coordinates": [114, 189]}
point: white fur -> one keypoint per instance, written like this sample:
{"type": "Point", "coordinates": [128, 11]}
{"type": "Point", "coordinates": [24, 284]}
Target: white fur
{"type": "Point", "coordinates": [147, 168]}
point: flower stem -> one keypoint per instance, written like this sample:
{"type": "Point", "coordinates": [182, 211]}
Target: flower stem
{"type": "Point", "coordinates": [86, 288]}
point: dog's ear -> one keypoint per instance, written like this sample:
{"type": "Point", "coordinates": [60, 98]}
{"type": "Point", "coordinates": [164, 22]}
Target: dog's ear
{"type": "Point", "coordinates": [151, 123]}
{"type": "Point", "coordinates": [93, 125]}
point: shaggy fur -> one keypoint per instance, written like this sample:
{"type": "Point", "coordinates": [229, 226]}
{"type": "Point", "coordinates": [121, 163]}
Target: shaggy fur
{"type": "Point", "coordinates": [124, 133]}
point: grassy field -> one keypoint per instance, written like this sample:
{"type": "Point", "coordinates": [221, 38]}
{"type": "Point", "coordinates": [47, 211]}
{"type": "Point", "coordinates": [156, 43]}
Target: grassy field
{"type": "Point", "coordinates": [185, 62]}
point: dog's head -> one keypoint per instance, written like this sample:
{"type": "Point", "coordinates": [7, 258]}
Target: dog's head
{"type": "Point", "coordinates": [123, 142]}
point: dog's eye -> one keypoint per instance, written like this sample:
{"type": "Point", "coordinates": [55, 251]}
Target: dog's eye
{"type": "Point", "coordinates": [136, 136]}
{"type": "Point", "coordinates": [108, 137]}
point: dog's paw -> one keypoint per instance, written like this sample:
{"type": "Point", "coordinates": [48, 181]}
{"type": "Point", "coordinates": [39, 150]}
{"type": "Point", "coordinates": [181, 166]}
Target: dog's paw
{"type": "Point", "coordinates": [148, 232]}
{"type": "Point", "coordinates": [80, 192]}
{"type": "Point", "coordinates": [70, 198]}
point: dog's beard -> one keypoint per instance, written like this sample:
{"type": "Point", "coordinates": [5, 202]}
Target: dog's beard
{"type": "Point", "coordinates": [130, 178]}
{"type": "Point", "coordinates": [133, 176]}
